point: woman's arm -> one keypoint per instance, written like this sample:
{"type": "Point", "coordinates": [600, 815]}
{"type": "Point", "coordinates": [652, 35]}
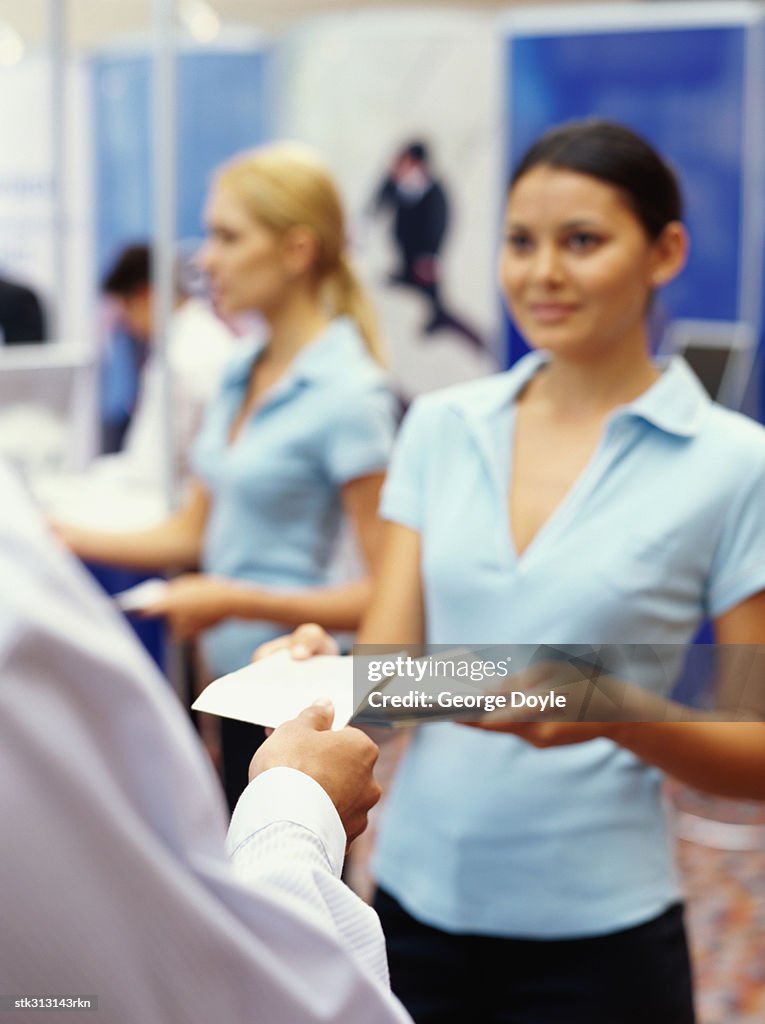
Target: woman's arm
{"type": "Point", "coordinates": [175, 543]}
{"type": "Point", "coordinates": [394, 610]}
{"type": "Point", "coordinates": [395, 615]}
{"type": "Point", "coordinates": [723, 758]}
{"type": "Point", "coordinates": [196, 602]}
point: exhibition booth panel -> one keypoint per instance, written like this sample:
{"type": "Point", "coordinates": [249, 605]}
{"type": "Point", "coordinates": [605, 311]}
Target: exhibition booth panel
{"type": "Point", "coordinates": [690, 79]}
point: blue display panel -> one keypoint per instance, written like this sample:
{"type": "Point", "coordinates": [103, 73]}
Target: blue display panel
{"type": "Point", "coordinates": [683, 89]}
{"type": "Point", "coordinates": [222, 108]}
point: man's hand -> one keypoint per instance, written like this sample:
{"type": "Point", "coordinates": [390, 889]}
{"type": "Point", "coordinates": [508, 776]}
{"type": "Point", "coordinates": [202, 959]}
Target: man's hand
{"type": "Point", "coordinates": [341, 762]}
{"type": "Point", "coordinates": [304, 642]}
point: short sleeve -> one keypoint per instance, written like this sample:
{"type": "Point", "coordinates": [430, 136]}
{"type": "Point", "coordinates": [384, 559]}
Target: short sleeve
{"type": "Point", "coordinates": [738, 567]}
{"type": "Point", "coordinates": [361, 432]}
{"type": "Point", "coordinates": [403, 496]}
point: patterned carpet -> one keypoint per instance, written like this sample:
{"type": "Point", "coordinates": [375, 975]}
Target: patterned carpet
{"type": "Point", "coordinates": [721, 851]}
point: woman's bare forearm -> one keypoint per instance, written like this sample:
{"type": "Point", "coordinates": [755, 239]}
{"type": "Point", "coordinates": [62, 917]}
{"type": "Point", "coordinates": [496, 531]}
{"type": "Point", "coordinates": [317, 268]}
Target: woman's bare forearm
{"type": "Point", "coordinates": [164, 547]}
{"type": "Point", "coordinates": [175, 543]}
{"type": "Point", "coordinates": [339, 607]}
{"type": "Point", "coordinates": [724, 758]}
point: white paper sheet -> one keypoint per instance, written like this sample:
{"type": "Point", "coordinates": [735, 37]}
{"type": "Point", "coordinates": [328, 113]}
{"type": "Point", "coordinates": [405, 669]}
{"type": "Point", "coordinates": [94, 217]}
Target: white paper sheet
{"type": "Point", "coordinates": [277, 688]}
{"type": "Point", "coordinates": [142, 595]}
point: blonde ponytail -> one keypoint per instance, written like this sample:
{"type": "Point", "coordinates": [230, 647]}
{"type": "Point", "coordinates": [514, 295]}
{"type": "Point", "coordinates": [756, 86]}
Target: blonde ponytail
{"type": "Point", "coordinates": [350, 299]}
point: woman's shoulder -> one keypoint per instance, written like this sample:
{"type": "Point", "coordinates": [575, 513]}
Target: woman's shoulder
{"type": "Point", "coordinates": [342, 361]}
{"type": "Point", "coordinates": [741, 437]}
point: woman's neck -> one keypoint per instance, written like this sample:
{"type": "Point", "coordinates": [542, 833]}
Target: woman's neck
{"type": "Point", "coordinates": [582, 388]}
{"type": "Point", "coordinates": [292, 326]}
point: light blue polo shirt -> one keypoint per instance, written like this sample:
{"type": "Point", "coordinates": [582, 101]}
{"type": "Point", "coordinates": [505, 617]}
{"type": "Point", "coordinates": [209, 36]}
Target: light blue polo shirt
{"type": "Point", "coordinates": [484, 833]}
{"type": "Point", "coordinates": [276, 507]}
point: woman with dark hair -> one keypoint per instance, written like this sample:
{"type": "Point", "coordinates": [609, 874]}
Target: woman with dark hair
{"type": "Point", "coordinates": [585, 496]}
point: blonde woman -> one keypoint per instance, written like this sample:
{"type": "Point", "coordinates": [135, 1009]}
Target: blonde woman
{"type": "Point", "coordinates": [297, 439]}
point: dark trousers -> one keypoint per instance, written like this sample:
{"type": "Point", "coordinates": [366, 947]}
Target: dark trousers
{"type": "Point", "coordinates": [239, 741]}
{"type": "Point", "coordinates": [637, 976]}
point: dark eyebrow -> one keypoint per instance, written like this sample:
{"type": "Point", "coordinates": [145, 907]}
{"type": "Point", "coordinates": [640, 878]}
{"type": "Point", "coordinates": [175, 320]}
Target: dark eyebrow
{"type": "Point", "coordinates": [569, 225]}
{"type": "Point", "coordinates": [578, 225]}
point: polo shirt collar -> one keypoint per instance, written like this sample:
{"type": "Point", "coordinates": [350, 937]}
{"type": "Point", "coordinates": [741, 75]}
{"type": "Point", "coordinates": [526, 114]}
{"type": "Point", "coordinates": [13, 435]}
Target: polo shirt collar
{"type": "Point", "coordinates": [329, 354]}
{"type": "Point", "coordinates": [493, 394]}
{"type": "Point", "coordinates": [237, 372]}
{"type": "Point", "coordinates": [676, 403]}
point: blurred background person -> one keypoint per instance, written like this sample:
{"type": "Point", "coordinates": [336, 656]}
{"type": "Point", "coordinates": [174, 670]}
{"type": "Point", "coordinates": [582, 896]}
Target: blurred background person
{"type": "Point", "coordinates": [296, 442]}
{"type": "Point", "coordinates": [420, 221]}
{"type": "Point", "coordinates": [199, 344]}
{"type": "Point", "coordinates": [22, 320]}
{"type": "Point", "coordinates": [127, 287]}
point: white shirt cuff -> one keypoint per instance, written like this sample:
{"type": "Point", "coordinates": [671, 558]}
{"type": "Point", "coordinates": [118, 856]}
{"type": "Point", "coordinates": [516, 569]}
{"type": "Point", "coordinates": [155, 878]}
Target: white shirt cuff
{"type": "Point", "coordinates": [285, 794]}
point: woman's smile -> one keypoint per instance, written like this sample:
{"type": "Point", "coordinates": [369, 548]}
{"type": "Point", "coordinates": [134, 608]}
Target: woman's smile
{"type": "Point", "coordinates": [552, 312]}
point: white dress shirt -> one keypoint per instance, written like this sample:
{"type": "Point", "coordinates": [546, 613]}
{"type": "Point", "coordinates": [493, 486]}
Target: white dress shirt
{"type": "Point", "coordinates": [199, 346]}
{"type": "Point", "coordinates": [114, 877]}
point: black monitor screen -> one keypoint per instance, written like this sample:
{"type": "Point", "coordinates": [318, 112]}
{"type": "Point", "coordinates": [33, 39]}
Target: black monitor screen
{"type": "Point", "coordinates": [708, 363]}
